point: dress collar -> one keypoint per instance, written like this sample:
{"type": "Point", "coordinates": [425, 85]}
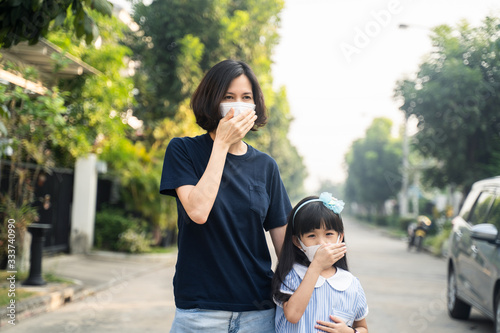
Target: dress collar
{"type": "Point", "coordinates": [340, 281]}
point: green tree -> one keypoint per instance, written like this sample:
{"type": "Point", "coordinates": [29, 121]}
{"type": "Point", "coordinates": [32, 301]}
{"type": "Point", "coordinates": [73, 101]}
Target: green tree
{"type": "Point", "coordinates": [370, 161]}
{"type": "Point", "coordinates": [27, 20]}
{"type": "Point", "coordinates": [455, 96]}
{"type": "Point", "coordinates": [179, 41]}
{"type": "Point", "coordinates": [101, 105]}
{"type": "Point", "coordinates": [34, 126]}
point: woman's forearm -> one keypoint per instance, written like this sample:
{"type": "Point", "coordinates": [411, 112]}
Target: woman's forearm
{"type": "Point", "coordinates": [198, 200]}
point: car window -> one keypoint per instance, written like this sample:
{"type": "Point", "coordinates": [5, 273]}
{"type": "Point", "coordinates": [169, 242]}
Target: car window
{"type": "Point", "coordinates": [494, 216]}
{"type": "Point", "coordinates": [481, 208]}
{"type": "Point", "coordinates": [470, 199]}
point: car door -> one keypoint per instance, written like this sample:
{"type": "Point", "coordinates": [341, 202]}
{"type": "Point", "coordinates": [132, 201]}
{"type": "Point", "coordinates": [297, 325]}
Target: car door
{"type": "Point", "coordinates": [486, 260]}
{"type": "Point", "coordinates": [472, 252]}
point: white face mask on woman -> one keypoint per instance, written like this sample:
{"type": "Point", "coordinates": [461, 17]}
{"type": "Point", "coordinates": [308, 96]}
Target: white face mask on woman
{"type": "Point", "coordinates": [238, 107]}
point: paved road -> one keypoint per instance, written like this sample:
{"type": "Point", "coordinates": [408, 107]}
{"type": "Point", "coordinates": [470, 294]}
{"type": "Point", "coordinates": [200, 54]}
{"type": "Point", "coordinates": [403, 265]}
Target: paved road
{"type": "Point", "coordinates": [143, 304]}
{"type": "Point", "coordinates": [405, 291]}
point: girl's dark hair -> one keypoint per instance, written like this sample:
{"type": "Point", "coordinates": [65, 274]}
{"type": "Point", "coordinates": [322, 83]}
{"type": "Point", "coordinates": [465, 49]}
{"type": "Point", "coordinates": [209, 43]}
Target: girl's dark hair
{"type": "Point", "coordinates": [212, 89]}
{"type": "Point", "coordinates": [313, 215]}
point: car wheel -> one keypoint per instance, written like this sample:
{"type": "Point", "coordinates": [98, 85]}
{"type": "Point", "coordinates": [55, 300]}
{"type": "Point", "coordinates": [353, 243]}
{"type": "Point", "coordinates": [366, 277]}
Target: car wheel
{"type": "Point", "coordinates": [457, 308]}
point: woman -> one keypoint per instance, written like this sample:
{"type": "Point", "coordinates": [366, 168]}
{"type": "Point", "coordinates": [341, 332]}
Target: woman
{"type": "Point", "coordinates": [227, 193]}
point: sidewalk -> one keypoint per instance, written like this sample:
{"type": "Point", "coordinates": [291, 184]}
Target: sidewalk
{"type": "Point", "coordinates": [89, 274]}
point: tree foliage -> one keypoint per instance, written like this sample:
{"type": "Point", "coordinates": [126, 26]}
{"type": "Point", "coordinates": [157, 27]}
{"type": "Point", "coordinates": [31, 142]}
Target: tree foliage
{"type": "Point", "coordinates": [98, 103]}
{"type": "Point", "coordinates": [372, 162]}
{"type": "Point", "coordinates": [455, 96]}
{"type": "Point", "coordinates": [179, 41]}
{"type": "Point", "coordinates": [27, 20]}
{"type": "Point", "coordinates": [33, 127]}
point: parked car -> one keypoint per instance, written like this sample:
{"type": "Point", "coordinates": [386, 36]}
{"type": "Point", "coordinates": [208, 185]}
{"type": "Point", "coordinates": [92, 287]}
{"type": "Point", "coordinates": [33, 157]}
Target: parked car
{"type": "Point", "coordinates": [474, 254]}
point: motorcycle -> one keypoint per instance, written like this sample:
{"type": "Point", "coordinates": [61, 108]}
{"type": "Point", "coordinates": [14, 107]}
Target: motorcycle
{"type": "Point", "coordinates": [417, 232]}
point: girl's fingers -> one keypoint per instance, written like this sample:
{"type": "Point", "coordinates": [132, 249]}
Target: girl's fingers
{"type": "Point", "coordinates": [324, 326]}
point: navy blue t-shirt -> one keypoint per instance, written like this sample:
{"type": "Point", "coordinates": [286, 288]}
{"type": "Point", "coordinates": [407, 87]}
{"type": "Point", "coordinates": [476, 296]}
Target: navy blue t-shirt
{"type": "Point", "coordinates": [225, 263]}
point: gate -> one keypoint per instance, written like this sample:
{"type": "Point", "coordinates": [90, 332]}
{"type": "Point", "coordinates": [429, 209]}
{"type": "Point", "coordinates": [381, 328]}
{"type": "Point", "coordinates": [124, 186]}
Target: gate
{"type": "Point", "coordinates": [53, 200]}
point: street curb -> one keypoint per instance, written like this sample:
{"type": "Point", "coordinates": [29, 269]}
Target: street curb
{"type": "Point", "coordinates": [64, 294]}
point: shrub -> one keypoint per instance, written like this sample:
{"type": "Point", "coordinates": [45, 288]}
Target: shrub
{"type": "Point", "coordinates": [110, 223]}
{"type": "Point", "coordinates": [404, 222]}
{"type": "Point", "coordinates": [133, 242]}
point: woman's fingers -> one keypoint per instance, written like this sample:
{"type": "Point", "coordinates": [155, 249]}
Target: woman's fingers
{"type": "Point", "coordinates": [234, 128]}
{"type": "Point", "coordinates": [245, 121]}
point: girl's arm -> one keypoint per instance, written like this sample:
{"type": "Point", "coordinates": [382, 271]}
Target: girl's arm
{"type": "Point", "coordinates": [325, 257]}
{"type": "Point", "coordinates": [295, 307]}
{"type": "Point", "coordinates": [199, 199]}
{"type": "Point", "coordinates": [361, 326]}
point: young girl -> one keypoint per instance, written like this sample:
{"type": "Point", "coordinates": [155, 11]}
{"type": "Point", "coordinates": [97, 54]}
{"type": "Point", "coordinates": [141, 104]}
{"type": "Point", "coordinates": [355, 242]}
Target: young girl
{"type": "Point", "coordinates": [312, 286]}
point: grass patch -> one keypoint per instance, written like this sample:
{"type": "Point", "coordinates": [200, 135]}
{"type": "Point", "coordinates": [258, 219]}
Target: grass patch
{"type": "Point", "coordinates": [20, 294]}
{"type": "Point", "coordinates": [161, 249]}
{"type": "Point", "coordinates": [49, 277]}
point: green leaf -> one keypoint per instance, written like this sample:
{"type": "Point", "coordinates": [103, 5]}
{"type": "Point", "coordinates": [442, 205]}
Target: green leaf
{"type": "Point", "coordinates": [3, 129]}
{"type": "Point", "coordinates": [60, 19]}
{"type": "Point", "coordinates": [4, 111]}
{"type": "Point", "coordinates": [15, 3]}
{"type": "Point", "coordinates": [102, 6]}
{"type": "Point", "coordinates": [36, 4]}
{"type": "Point", "coordinates": [88, 23]}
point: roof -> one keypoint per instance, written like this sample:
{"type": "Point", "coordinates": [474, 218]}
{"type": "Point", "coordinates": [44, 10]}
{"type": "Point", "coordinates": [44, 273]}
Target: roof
{"type": "Point", "coordinates": [39, 56]}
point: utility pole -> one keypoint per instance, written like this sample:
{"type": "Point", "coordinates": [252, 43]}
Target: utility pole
{"type": "Point", "coordinates": [403, 195]}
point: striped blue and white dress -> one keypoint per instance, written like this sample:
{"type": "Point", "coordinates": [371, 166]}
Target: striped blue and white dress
{"type": "Point", "coordinates": [341, 296]}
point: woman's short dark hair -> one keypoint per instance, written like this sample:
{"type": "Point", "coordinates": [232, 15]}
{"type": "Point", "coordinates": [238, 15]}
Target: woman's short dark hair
{"type": "Point", "coordinates": [212, 89]}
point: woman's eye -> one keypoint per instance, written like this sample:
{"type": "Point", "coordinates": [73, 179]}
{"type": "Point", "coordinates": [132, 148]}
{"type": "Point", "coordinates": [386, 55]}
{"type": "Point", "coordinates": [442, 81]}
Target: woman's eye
{"type": "Point", "coordinates": [247, 97]}
{"type": "Point", "coordinates": [228, 97]}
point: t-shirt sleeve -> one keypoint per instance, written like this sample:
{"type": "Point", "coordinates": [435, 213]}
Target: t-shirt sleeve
{"type": "Point", "coordinates": [178, 169]}
{"type": "Point", "coordinates": [361, 304]}
{"type": "Point", "coordinates": [279, 205]}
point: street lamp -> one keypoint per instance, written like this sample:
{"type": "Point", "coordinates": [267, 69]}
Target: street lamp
{"type": "Point", "coordinates": [403, 195]}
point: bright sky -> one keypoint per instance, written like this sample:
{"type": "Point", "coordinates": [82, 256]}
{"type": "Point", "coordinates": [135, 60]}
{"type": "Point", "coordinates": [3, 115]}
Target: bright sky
{"type": "Point", "coordinates": [340, 59]}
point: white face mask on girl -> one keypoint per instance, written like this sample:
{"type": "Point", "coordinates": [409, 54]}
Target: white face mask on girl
{"type": "Point", "coordinates": [310, 251]}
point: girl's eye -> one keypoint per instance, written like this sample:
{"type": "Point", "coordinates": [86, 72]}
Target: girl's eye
{"type": "Point", "coordinates": [310, 236]}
